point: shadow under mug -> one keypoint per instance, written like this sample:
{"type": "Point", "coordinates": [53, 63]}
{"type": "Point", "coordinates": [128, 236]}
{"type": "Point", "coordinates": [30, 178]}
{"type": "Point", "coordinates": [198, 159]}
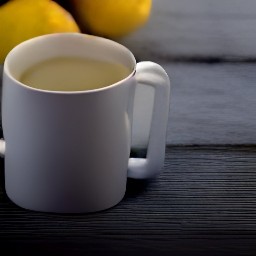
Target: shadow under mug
{"type": "Point", "coordinates": [68, 152]}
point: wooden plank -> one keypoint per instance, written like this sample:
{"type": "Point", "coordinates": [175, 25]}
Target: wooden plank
{"type": "Point", "coordinates": [197, 28]}
{"type": "Point", "coordinates": [212, 104]}
{"type": "Point", "coordinates": [204, 201]}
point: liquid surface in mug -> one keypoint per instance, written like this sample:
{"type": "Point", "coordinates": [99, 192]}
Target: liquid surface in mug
{"type": "Point", "coordinates": [73, 74]}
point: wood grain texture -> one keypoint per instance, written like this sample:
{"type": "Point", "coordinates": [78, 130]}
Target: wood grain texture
{"type": "Point", "coordinates": [212, 103]}
{"type": "Point", "coordinates": [204, 202]}
{"type": "Point", "coordinates": [197, 29]}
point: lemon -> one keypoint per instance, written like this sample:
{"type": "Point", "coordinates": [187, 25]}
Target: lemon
{"type": "Point", "coordinates": [111, 18]}
{"type": "Point", "coordinates": [23, 19]}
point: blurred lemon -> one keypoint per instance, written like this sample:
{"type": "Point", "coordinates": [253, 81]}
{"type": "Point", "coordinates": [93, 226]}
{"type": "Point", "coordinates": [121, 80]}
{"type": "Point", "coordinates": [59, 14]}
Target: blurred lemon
{"type": "Point", "coordinates": [111, 18]}
{"type": "Point", "coordinates": [23, 19]}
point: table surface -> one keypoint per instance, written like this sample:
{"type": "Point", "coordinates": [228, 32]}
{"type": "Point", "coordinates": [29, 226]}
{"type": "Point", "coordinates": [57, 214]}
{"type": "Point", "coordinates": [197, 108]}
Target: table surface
{"type": "Point", "coordinates": [204, 200]}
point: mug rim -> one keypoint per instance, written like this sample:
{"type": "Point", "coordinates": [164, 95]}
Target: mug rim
{"type": "Point", "coordinates": [6, 70]}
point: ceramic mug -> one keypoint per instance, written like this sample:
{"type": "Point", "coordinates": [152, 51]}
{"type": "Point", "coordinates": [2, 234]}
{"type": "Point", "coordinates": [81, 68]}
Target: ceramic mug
{"type": "Point", "coordinates": [68, 152]}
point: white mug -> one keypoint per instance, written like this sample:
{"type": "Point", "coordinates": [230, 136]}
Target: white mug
{"type": "Point", "coordinates": [68, 152]}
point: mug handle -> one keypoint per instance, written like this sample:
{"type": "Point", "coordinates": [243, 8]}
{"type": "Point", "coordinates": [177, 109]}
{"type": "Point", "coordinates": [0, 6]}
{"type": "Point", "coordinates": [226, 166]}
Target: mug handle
{"type": "Point", "coordinates": [153, 75]}
{"type": "Point", "coordinates": [2, 148]}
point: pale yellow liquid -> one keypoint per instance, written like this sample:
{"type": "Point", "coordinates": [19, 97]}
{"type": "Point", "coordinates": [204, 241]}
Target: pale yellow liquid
{"type": "Point", "coordinates": [73, 74]}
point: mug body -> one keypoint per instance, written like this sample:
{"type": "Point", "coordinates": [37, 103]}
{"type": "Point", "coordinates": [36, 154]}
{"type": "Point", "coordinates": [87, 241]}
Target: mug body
{"type": "Point", "coordinates": [66, 151]}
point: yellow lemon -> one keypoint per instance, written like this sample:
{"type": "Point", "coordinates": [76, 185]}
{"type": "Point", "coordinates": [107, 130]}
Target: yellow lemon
{"type": "Point", "coordinates": [111, 18]}
{"type": "Point", "coordinates": [23, 19]}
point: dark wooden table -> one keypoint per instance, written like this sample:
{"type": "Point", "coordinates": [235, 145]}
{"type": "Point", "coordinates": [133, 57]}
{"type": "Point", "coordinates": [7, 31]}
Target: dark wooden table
{"type": "Point", "coordinates": [203, 203]}
{"type": "Point", "coordinates": [204, 200]}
